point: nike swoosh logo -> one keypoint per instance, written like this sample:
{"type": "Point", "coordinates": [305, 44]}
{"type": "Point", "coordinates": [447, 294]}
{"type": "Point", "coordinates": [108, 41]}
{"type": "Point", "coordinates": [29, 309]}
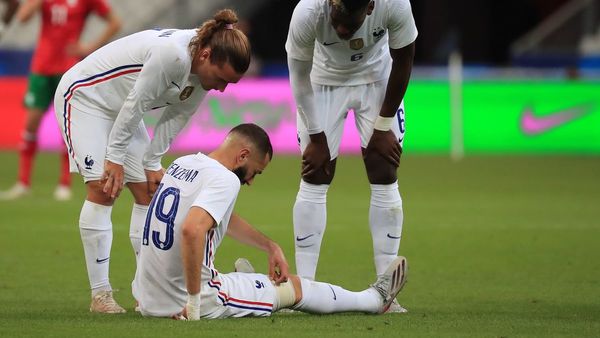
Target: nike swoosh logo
{"type": "Point", "coordinates": [102, 260]}
{"type": "Point", "coordinates": [334, 296]}
{"type": "Point", "coordinates": [534, 125]}
{"type": "Point", "coordinates": [393, 237]}
{"type": "Point", "coordinates": [300, 239]}
{"type": "Point", "coordinates": [329, 43]}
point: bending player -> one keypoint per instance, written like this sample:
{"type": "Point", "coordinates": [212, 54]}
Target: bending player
{"type": "Point", "coordinates": [342, 55]}
{"type": "Point", "coordinates": [99, 106]}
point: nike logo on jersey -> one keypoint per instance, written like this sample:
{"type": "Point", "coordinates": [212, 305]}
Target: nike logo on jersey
{"type": "Point", "coordinates": [533, 124]}
{"type": "Point", "coordinates": [300, 239]}
{"type": "Point", "coordinates": [99, 261]}
{"type": "Point", "coordinates": [176, 85]}
{"type": "Point", "coordinates": [393, 237]}
{"type": "Point", "coordinates": [330, 43]}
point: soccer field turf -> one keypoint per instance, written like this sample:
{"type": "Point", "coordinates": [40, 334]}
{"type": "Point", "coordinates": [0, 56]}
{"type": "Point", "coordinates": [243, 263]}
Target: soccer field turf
{"type": "Point", "coordinates": [497, 247]}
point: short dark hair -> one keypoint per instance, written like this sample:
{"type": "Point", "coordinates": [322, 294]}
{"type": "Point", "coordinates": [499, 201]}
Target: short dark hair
{"type": "Point", "coordinates": [257, 136]}
{"type": "Point", "coordinates": [354, 5]}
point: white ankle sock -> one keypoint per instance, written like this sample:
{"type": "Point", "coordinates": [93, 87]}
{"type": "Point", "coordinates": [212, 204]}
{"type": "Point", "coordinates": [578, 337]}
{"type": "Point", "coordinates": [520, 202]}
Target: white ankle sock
{"type": "Point", "coordinates": [310, 217]}
{"type": "Point", "coordinates": [95, 228]}
{"type": "Point", "coordinates": [320, 297]}
{"type": "Point", "coordinates": [385, 221]}
{"type": "Point", "coordinates": [136, 227]}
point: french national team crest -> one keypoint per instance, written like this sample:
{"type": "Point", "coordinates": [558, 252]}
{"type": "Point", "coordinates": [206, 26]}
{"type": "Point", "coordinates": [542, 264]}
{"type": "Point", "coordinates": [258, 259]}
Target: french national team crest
{"type": "Point", "coordinates": [357, 44]}
{"type": "Point", "coordinates": [186, 92]}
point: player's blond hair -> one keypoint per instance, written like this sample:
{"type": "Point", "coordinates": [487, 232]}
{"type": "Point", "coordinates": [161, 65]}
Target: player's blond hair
{"type": "Point", "coordinates": [227, 43]}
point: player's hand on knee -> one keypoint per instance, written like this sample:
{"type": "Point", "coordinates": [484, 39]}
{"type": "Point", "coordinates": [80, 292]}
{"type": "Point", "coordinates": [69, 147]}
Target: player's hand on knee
{"type": "Point", "coordinates": [386, 144]}
{"type": "Point", "coordinates": [316, 156]}
{"type": "Point", "coordinates": [113, 177]}
{"type": "Point", "coordinates": [153, 177]}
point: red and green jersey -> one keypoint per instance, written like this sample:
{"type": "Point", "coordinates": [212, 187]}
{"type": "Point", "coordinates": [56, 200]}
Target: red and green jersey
{"type": "Point", "coordinates": [62, 24]}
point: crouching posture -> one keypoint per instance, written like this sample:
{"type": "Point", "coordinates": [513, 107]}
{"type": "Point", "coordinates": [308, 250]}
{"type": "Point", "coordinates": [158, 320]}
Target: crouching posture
{"type": "Point", "coordinates": [190, 214]}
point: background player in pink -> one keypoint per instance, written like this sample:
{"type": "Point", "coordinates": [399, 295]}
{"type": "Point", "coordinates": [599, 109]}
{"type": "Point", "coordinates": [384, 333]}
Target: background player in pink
{"type": "Point", "coordinates": [58, 49]}
{"type": "Point", "coordinates": [192, 212]}
{"type": "Point", "coordinates": [100, 104]}
{"type": "Point", "coordinates": [350, 55]}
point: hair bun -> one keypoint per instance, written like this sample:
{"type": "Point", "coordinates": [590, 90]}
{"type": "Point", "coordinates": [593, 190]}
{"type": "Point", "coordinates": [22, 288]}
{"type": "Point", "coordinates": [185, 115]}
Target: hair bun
{"type": "Point", "coordinates": [225, 16]}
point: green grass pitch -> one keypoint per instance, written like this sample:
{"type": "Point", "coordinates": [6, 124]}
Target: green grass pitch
{"type": "Point", "coordinates": [497, 247]}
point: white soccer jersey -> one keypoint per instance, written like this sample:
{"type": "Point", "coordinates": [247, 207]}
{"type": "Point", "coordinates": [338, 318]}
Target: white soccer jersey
{"type": "Point", "coordinates": [193, 180]}
{"type": "Point", "coordinates": [133, 75]}
{"type": "Point", "coordinates": [363, 59]}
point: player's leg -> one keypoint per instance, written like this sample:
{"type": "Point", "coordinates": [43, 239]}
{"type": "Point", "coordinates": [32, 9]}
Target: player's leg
{"type": "Point", "coordinates": [385, 211]}
{"type": "Point", "coordinates": [63, 189]}
{"type": "Point", "coordinates": [322, 298]}
{"type": "Point", "coordinates": [310, 208]}
{"type": "Point", "coordinates": [135, 179]}
{"type": "Point", "coordinates": [95, 226]}
{"type": "Point", "coordinates": [36, 102]}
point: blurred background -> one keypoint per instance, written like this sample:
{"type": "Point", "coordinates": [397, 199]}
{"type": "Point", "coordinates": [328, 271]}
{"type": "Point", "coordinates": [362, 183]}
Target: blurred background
{"type": "Point", "coordinates": [515, 76]}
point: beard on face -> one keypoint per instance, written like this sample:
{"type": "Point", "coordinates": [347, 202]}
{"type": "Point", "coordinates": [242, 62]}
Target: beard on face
{"type": "Point", "coordinates": [241, 172]}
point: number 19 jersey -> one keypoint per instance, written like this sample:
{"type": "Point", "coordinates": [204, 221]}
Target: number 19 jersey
{"type": "Point", "coordinates": [190, 181]}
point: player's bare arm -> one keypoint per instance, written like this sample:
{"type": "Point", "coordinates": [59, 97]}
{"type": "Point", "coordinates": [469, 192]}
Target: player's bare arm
{"type": "Point", "coordinates": [383, 140]}
{"type": "Point", "coordinates": [27, 10]}
{"type": "Point", "coordinates": [113, 25]}
{"type": "Point", "coordinates": [11, 9]}
{"type": "Point", "coordinates": [316, 156]}
{"type": "Point", "coordinates": [193, 238]}
{"type": "Point", "coordinates": [243, 232]}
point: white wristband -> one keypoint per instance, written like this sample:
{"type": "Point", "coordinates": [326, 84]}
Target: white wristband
{"type": "Point", "coordinates": [194, 300]}
{"type": "Point", "coordinates": [192, 307]}
{"type": "Point", "coordinates": [383, 123]}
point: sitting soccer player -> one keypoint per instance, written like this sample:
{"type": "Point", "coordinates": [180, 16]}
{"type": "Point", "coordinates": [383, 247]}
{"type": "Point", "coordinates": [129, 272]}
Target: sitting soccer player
{"type": "Point", "coordinates": [188, 217]}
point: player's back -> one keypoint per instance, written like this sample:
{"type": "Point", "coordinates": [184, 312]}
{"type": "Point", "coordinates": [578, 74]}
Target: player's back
{"type": "Point", "coordinates": [104, 79]}
{"type": "Point", "coordinates": [159, 285]}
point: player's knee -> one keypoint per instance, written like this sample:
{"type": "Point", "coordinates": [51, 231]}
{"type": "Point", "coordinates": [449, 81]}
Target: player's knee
{"type": "Point", "coordinates": [288, 293]}
{"type": "Point", "coordinates": [140, 193]}
{"type": "Point", "coordinates": [322, 176]}
{"type": "Point", "coordinates": [319, 178]}
{"type": "Point", "coordinates": [95, 193]}
{"type": "Point", "coordinates": [379, 170]}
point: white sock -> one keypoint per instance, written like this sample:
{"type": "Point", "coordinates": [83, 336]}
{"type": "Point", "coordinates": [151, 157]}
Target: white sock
{"type": "Point", "coordinates": [136, 227]}
{"type": "Point", "coordinates": [385, 221]}
{"type": "Point", "coordinates": [320, 297]}
{"type": "Point", "coordinates": [310, 218]}
{"type": "Point", "coordinates": [95, 228]}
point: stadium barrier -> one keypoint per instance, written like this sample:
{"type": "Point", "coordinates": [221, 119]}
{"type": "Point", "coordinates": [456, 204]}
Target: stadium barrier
{"type": "Point", "coordinates": [526, 117]}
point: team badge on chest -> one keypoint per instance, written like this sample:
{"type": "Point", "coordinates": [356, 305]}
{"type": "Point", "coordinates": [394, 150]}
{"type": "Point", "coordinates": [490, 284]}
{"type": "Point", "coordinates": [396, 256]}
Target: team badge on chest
{"type": "Point", "coordinates": [356, 44]}
{"type": "Point", "coordinates": [186, 92]}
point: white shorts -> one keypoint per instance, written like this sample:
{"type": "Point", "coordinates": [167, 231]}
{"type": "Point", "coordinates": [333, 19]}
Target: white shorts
{"type": "Point", "coordinates": [332, 104]}
{"type": "Point", "coordinates": [237, 294]}
{"type": "Point", "coordinates": [86, 138]}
